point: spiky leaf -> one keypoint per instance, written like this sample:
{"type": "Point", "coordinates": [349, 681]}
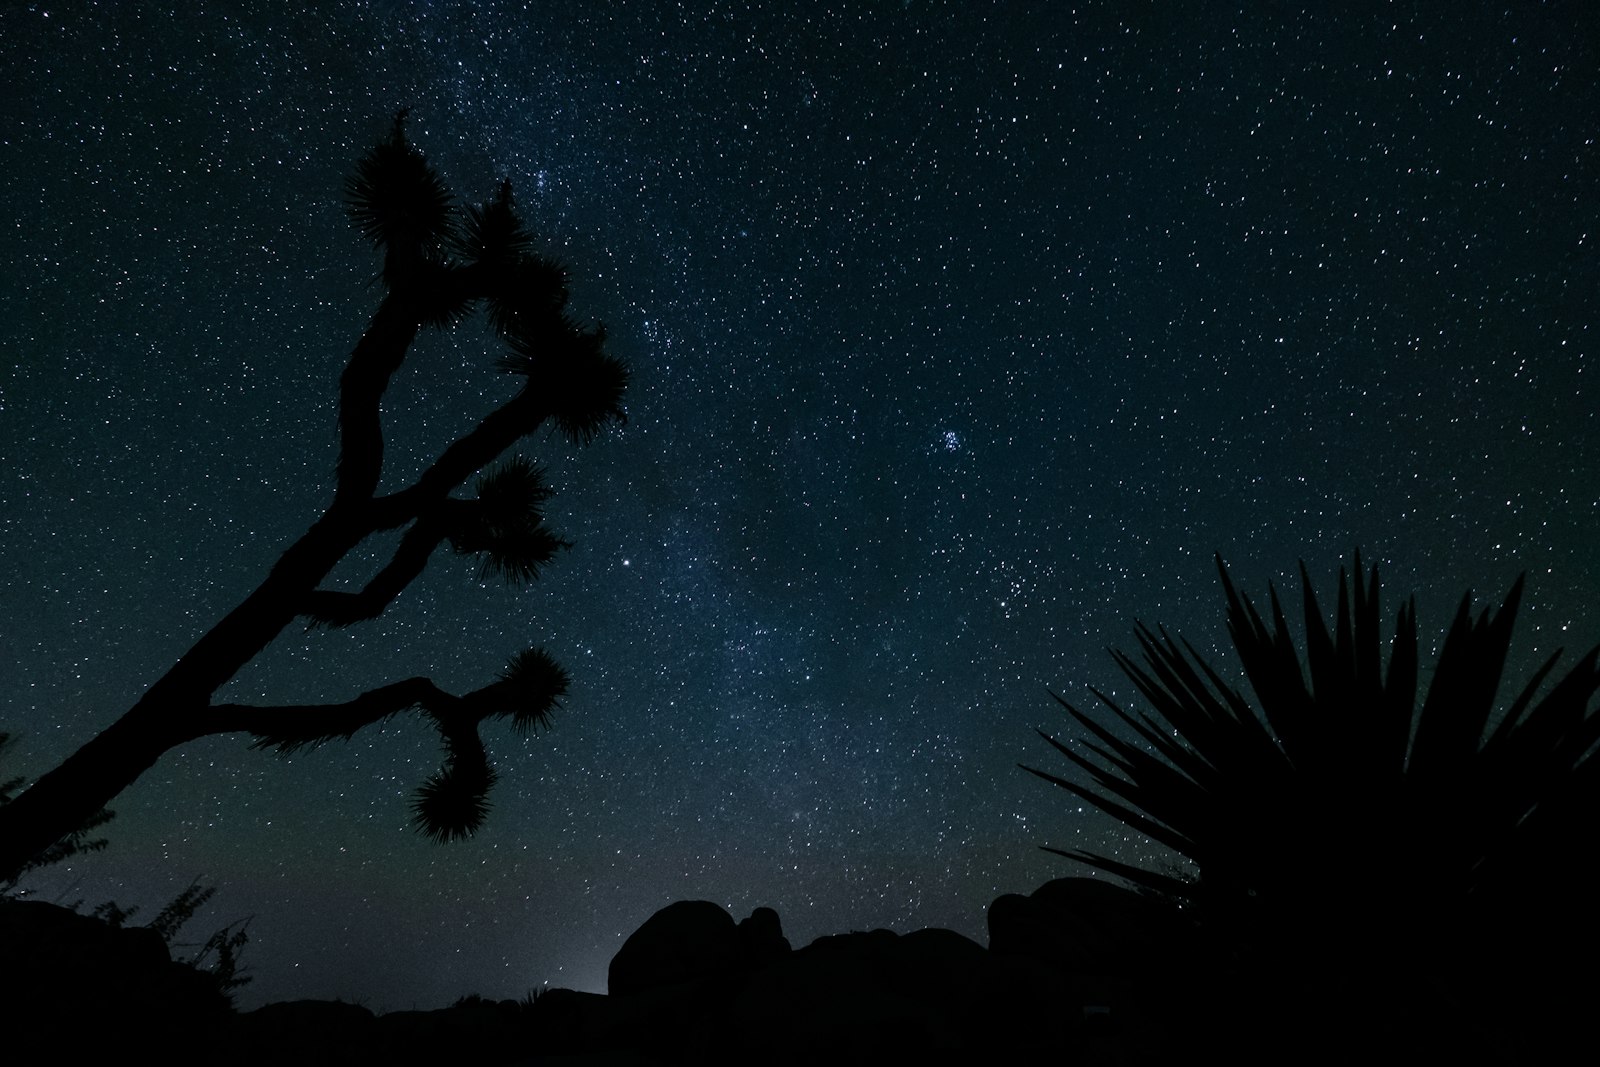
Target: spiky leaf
{"type": "Point", "coordinates": [528, 299]}
{"type": "Point", "coordinates": [453, 802]}
{"type": "Point", "coordinates": [580, 385]}
{"type": "Point", "coordinates": [397, 200]}
{"type": "Point", "coordinates": [506, 523]}
{"type": "Point", "coordinates": [492, 236]}
{"type": "Point", "coordinates": [533, 685]}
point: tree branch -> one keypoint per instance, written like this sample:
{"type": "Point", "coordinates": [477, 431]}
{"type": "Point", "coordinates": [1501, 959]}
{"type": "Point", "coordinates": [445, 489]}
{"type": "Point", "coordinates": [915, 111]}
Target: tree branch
{"type": "Point", "coordinates": [289, 727]}
{"type": "Point", "coordinates": [333, 608]}
{"type": "Point", "coordinates": [468, 454]}
{"type": "Point", "coordinates": [376, 357]}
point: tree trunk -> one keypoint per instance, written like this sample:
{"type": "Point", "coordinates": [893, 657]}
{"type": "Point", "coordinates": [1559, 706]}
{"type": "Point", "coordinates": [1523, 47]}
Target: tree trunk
{"type": "Point", "coordinates": [172, 710]}
{"type": "Point", "coordinates": [64, 799]}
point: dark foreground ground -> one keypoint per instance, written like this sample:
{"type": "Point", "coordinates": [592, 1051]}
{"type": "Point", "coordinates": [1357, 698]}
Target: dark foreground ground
{"type": "Point", "coordinates": [1079, 972]}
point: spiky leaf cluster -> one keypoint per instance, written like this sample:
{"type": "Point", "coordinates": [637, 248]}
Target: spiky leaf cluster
{"type": "Point", "coordinates": [579, 384]}
{"type": "Point", "coordinates": [532, 685]}
{"type": "Point", "coordinates": [1335, 756]}
{"type": "Point", "coordinates": [398, 201]}
{"type": "Point", "coordinates": [506, 523]}
{"type": "Point", "coordinates": [454, 801]}
{"type": "Point", "coordinates": [529, 299]}
{"type": "Point", "coordinates": [492, 237]}
{"type": "Point", "coordinates": [445, 260]}
{"type": "Point", "coordinates": [565, 363]}
{"type": "Point", "coordinates": [586, 389]}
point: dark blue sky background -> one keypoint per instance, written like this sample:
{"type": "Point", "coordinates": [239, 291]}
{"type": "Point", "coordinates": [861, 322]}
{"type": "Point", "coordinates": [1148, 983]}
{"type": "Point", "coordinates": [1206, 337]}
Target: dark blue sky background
{"type": "Point", "coordinates": [962, 334]}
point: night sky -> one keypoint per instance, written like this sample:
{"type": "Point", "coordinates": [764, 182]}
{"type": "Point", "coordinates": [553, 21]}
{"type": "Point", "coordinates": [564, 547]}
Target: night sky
{"type": "Point", "coordinates": [962, 336]}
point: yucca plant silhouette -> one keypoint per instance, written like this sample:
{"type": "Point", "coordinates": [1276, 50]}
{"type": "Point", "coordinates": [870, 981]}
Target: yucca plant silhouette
{"type": "Point", "coordinates": [1334, 817]}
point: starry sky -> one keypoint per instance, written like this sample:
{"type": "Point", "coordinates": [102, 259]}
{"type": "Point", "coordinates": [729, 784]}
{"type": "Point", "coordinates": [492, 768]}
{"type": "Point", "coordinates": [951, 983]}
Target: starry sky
{"type": "Point", "coordinates": [962, 336]}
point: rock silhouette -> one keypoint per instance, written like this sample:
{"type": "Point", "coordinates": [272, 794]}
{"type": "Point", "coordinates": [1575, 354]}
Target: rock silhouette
{"type": "Point", "coordinates": [761, 938]}
{"type": "Point", "coordinates": [690, 985]}
{"type": "Point", "coordinates": [76, 981]}
{"type": "Point", "coordinates": [1083, 926]}
{"type": "Point", "coordinates": [1078, 971]}
{"type": "Point", "coordinates": [690, 941]}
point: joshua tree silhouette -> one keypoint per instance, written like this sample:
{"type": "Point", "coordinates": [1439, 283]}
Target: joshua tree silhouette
{"type": "Point", "coordinates": [439, 261]}
{"type": "Point", "coordinates": [1341, 823]}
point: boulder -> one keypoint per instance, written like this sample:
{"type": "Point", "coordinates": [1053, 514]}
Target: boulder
{"type": "Point", "coordinates": [865, 994]}
{"type": "Point", "coordinates": [74, 982]}
{"type": "Point", "coordinates": [1085, 926]}
{"type": "Point", "coordinates": [688, 941]}
{"type": "Point", "coordinates": [569, 1023]}
{"type": "Point", "coordinates": [761, 938]}
{"type": "Point", "coordinates": [1126, 963]}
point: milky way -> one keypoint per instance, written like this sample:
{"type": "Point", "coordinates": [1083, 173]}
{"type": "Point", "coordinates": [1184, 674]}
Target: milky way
{"type": "Point", "coordinates": [962, 336]}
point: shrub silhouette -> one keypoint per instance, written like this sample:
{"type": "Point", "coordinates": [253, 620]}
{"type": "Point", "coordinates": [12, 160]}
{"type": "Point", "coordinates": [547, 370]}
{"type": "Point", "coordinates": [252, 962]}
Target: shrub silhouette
{"type": "Point", "coordinates": [1334, 820]}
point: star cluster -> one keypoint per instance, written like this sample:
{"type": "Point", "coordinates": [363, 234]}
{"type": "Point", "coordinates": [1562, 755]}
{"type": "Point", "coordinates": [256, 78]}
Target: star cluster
{"type": "Point", "coordinates": [962, 336]}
